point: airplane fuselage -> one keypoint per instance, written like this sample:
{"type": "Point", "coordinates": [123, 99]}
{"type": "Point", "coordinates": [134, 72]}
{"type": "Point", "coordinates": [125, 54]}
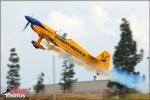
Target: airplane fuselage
{"type": "Point", "coordinates": [66, 44]}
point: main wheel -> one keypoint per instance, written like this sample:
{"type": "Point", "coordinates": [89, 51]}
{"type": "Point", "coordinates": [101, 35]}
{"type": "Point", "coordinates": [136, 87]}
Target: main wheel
{"type": "Point", "coordinates": [34, 44]}
{"type": "Point", "coordinates": [97, 73]}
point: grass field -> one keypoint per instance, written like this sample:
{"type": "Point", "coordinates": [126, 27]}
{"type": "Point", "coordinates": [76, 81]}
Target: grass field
{"type": "Point", "coordinates": [84, 96]}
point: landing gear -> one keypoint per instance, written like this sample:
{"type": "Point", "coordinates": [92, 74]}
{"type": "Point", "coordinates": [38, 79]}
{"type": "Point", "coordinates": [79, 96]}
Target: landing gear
{"type": "Point", "coordinates": [37, 45]}
{"type": "Point", "coordinates": [34, 44]}
{"type": "Point", "coordinates": [97, 73]}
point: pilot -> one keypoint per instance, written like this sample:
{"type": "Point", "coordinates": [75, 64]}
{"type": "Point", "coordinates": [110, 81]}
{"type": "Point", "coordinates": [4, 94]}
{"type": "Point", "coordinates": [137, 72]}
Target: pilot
{"type": "Point", "coordinates": [64, 35]}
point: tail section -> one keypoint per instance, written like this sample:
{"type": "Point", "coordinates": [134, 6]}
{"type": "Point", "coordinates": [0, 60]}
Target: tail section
{"type": "Point", "coordinates": [104, 59]}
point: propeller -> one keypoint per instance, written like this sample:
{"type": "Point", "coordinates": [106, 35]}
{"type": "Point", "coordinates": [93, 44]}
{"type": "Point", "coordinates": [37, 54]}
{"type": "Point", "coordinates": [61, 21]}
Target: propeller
{"type": "Point", "coordinates": [26, 26]}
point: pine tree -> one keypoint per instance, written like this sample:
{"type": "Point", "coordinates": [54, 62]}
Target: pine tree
{"type": "Point", "coordinates": [39, 86]}
{"type": "Point", "coordinates": [125, 56]}
{"type": "Point", "coordinates": [13, 77]}
{"type": "Point", "coordinates": [67, 76]}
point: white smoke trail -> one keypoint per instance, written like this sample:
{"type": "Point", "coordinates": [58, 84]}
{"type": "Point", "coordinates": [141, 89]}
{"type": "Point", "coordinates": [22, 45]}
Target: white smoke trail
{"type": "Point", "coordinates": [52, 47]}
{"type": "Point", "coordinates": [64, 55]}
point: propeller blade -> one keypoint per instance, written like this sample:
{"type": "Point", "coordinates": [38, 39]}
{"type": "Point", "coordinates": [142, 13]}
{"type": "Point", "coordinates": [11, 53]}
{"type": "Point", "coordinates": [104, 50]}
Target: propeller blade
{"type": "Point", "coordinates": [25, 26]}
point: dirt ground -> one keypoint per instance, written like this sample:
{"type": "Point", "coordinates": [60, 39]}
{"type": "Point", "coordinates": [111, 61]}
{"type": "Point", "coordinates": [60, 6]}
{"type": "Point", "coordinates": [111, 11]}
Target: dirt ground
{"type": "Point", "coordinates": [82, 96]}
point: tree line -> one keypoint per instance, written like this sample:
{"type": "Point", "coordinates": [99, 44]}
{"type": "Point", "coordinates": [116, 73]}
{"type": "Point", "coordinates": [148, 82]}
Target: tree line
{"type": "Point", "coordinates": [13, 76]}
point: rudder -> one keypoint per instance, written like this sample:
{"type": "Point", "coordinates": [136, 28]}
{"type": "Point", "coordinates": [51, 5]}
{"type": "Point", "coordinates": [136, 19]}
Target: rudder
{"type": "Point", "coordinates": [104, 58]}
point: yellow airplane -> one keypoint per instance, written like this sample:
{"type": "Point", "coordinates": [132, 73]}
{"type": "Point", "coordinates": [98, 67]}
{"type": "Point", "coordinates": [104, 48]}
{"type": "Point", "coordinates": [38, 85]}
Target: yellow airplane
{"type": "Point", "coordinates": [101, 62]}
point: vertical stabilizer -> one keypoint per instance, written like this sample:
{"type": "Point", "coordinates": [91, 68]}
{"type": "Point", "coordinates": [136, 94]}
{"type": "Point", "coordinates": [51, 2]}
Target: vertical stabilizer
{"type": "Point", "coordinates": [104, 59]}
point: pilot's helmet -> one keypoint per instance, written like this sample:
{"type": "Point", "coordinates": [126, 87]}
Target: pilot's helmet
{"type": "Point", "coordinates": [64, 35]}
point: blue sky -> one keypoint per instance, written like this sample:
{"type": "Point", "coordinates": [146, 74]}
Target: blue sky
{"type": "Point", "coordinates": [94, 25]}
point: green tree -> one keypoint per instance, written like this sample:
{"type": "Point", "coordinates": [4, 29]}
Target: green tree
{"type": "Point", "coordinates": [125, 56]}
{"type": "Point", "coordinates": [39, 86]}
{"type": "Point", "coordinates": [13, 77]}
{"type": "Point", "coordinates": [67, 76]}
